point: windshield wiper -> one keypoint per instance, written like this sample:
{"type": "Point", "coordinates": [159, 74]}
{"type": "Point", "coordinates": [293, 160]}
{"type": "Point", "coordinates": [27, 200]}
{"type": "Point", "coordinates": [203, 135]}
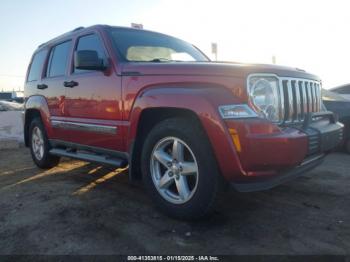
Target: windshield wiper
{"type": "Point", "coordinates": [156, 60]}
{"type": "Point", "coordinates": [162, 59]}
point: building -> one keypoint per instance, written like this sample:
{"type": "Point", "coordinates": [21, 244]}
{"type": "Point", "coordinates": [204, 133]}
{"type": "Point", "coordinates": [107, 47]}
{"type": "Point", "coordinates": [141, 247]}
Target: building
{"type": "Point", "coordinates": [6, 96]}
{"type": "Point", "coordinates": [11, 96]}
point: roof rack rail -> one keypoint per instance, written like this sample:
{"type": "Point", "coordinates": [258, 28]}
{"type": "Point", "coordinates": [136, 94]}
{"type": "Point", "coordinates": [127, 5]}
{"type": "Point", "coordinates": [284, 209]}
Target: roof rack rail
{"type": "Point", "coordinates": [74, 30]}
{"type": "Point", "coordinates": [78, 28]}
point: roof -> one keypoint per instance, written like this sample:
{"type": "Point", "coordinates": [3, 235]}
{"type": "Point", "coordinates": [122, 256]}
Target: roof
{"type": "Point", "coordinates": [82, 29]}
{"type": "Point", "coordinates": [71, 33]}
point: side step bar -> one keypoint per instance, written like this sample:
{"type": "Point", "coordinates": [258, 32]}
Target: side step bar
{"type": "Point", "coordinates": [90, 157]}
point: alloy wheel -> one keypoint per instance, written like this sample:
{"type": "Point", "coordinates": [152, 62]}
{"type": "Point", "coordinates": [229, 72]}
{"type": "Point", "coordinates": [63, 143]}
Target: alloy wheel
{"type": "Point", "coordinates": [174, 170]}
{"type": "Point", "coordinates": [37, 143]}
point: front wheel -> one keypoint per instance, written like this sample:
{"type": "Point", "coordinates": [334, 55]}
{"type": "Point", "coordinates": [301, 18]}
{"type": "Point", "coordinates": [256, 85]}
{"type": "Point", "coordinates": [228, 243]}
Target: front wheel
{"type": "Point", "coordinates": [179, 169]}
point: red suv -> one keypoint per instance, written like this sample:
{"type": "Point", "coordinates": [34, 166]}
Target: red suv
{"type": "Point", "coordinates": [182, 123]}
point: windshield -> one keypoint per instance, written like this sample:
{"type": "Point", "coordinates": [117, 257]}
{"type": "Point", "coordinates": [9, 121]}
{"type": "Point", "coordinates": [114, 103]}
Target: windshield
{"type": "Point", "coordinates": [144, 46]}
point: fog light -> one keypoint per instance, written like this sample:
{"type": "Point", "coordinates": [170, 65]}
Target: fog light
{"type": "Point", "coordinates": [236, 111]}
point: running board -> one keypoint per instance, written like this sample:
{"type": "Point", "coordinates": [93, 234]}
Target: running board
{"type": "Point", "coordinates": [90, 157]}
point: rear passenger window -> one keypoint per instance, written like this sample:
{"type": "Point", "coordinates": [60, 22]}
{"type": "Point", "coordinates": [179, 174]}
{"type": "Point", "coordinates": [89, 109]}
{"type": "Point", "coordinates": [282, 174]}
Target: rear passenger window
{"type": "Point", "coordinates": [91, 42]}
{"type": "Point", "coordinates": [58, 60]}
{"type": "Point", "coordinates": [37, 66]}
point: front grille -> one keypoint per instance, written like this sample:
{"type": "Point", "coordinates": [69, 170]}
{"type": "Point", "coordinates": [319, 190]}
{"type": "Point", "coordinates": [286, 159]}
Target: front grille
{"type": "Point", "coordinates": [299, 97]}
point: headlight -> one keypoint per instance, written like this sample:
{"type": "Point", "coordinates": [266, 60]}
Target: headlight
{"type": "Point", "coordinates": [263, 93]}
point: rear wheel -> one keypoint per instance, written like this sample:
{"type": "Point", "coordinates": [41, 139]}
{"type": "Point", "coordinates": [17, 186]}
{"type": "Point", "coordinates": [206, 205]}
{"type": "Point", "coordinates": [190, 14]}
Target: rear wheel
{"type": "Point", "coordinates": [179, 169]}
{"type": "Point", "coordinates": [39, 145]}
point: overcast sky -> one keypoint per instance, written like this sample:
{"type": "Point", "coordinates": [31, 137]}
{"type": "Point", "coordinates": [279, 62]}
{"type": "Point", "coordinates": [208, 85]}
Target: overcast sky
{"type": "Point", "coordinates": [312, 35]}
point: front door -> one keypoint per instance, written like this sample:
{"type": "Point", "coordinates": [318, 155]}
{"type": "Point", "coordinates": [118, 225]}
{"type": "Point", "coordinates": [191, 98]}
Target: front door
{"type": "Point", "coordinates": [93, 101]}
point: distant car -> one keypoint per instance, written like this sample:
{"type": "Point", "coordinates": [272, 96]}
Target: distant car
{"type": "Point", "coordinates": [340, 105]}
{"type": "Point", "coordinates": [343, 90]}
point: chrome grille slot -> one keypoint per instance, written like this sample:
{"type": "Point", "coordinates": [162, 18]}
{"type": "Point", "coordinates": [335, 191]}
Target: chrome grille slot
{"type": "Point", "coordinates": [299, 89]}
{"type": "Point", "coordinates": [297, 101]}
{"type": "Point", "coordinates": [299, 97]}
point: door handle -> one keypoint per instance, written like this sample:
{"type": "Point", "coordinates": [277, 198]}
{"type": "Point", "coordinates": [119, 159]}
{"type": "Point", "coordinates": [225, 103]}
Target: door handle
{"type": "Point", "coordinates": [42, 86]}
{"type": "Point", "coordinates": [70, 84]}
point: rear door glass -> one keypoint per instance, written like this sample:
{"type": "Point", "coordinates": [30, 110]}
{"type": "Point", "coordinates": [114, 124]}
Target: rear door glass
{"type": "Point", "coordinates": [37, 66]}
{"type": "Point", "coordinates": [58, 60]}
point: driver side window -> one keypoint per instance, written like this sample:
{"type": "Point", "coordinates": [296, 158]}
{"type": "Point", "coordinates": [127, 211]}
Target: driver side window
{"type": "Point", "coordinates": [91, 42]}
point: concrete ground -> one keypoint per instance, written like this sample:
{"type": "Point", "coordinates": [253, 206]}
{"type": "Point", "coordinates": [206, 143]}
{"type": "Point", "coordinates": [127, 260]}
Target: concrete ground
{"type": "Point", "coordinates": [82, 208]}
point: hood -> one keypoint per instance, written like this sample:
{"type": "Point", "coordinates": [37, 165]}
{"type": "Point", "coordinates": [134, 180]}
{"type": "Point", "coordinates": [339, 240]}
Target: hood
{"type": "Point", "coordinates": [211, 69]}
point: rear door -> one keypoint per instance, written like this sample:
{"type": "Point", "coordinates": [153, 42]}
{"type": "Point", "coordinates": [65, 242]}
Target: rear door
{"type": "Point", "coordinates": [52, 84]}
{"type": "Point", "coordinates": [93, 106]}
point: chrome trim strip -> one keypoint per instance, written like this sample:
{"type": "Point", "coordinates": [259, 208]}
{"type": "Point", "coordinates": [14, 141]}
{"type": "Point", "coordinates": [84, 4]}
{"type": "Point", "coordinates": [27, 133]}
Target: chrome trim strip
{"type": "Point", "coordinates": [84, 127]}
{"type": "Point", "coordinates": [309, 98]}
{"type": "Point", "coordinates": [300, 91]}
{"type": "Point", "coordinates": [290, 101]}
{"type": "Point", "coordinates": [311, 159]}
{"type": "Point", "coordinates": [281, 98]}
{"type": "Point", "coordinates": [312, 89]}
{"type": "Point", "coordinates": [304, 99]}
{"type": "Point", "coordinates": [298, 102]}
{"type": "Point", "coordinates": [318, 96]}
{"type": "Point", "coordinates": [315, 96]}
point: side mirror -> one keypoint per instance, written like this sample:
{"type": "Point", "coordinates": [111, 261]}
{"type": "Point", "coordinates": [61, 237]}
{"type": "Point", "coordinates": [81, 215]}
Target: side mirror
{"type": "Point", "coordinates": [88, 60]}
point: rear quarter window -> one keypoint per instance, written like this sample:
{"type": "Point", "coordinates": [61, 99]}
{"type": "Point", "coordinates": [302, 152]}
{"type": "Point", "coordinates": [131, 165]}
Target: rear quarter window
{"type": "Point", "coordinates": [36, 66]}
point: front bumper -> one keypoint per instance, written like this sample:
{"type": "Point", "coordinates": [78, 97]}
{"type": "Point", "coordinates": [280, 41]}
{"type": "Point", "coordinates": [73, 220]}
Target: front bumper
{"type": "Point", "coordinates": [272, 155]}
{"type": "Point", "coordinates": [282, 177]}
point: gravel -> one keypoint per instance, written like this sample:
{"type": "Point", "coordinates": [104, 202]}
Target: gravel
{"type": "Point", "coordinates": [80, 208]}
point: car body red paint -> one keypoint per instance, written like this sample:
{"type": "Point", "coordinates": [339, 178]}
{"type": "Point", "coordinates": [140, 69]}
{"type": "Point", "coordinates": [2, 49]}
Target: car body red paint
{"type": "Point", "coordinates": [118, 96]}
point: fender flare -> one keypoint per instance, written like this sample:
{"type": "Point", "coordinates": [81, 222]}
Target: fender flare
{"type": "Point", "coordinates": [39, 104]}
{"type": "Point", "coordinates": [203, 100]}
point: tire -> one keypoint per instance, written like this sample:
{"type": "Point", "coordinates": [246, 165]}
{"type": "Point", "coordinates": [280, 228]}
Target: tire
{"type": "Point", "coordinates": [39, 146]}
{"type": "Point", "coordinates": [196, 166]}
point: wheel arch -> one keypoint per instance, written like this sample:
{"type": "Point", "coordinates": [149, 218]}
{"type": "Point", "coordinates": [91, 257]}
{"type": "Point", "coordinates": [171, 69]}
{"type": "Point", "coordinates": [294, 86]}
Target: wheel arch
{"type": "Point", "coordinates": [36, 106]}
{"type": "Point", "coordinates": [149, 117]}
{"type": "Point", "coordinates": [199, 104]}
